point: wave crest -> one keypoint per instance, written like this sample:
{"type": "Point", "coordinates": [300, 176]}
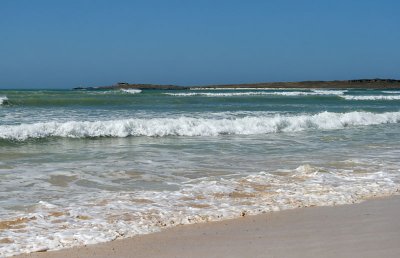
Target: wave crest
{"type": "Point", "coordinates": [189, 126]}
{"type": "Point", "coordinates": [255, 93]}
{"type": "Point", "coordinates": [391, 91]}
{"type": "Point", "coordinates": [372, 97]}
{"type": "Point", "coordinates": [3, 100]}
{"type": "Point", "coordinates": [131, 91]}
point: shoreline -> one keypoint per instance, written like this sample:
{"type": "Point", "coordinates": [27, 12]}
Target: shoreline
{"type": "Point", "coordinates": [367, 229]}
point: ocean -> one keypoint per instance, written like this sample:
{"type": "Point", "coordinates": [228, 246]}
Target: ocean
{"type": "Point", "coordinates": [85, 167]}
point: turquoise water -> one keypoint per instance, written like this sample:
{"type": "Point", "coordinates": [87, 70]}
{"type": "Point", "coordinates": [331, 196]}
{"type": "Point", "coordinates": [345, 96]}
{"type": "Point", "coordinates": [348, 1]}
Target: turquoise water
{"type": "Point", "coordinates": [82, 167]}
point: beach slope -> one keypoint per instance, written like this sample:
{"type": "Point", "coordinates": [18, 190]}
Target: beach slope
{"type": "Point", "coordinates": [369, 229]}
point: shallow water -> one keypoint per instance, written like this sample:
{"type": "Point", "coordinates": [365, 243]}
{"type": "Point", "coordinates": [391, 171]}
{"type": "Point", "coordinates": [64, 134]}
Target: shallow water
{"type": "Point", "coordinates": [80, 167]}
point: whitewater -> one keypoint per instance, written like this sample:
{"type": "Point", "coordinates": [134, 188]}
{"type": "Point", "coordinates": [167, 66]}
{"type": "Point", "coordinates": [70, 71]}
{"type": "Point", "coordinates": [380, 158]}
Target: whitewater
{"type": "Point", "coordinates": [226, 93]}
{"type": "Point", "coordinates": [187, 126]}
{"type": "Point", "coordinates": [3, 100]}
{"type": "Point", "coordinates": [85, 167]}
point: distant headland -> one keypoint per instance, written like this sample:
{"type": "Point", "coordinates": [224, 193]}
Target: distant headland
{"type": "Point", "coordinates": [340, 84]}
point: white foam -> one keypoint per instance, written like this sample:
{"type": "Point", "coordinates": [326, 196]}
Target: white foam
{"type": "Point", "coordinates": [230, 88]}
{"type": "Point", "coordinates": [3, 100]}
{"type": "Point", "coordinates": [391, 91]}
{"type": "Point", "coordinates": [131, 91]}
{"type": "Point", "coordinates": [330, 92]}
{"type": "Point", "coordinates": [255, 93]}
{"type": "Point", "coordinates": [372, 97]}
{"type": "Point", "coordinates": [190, 126]}
{"type": "Point", "coordinates": [241, 88]}
{"type": "Point", "coordinates": [105, 216]}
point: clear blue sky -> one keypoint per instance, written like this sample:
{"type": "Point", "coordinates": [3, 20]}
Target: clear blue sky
{"type": "Point", "coordinates": [63, 44]}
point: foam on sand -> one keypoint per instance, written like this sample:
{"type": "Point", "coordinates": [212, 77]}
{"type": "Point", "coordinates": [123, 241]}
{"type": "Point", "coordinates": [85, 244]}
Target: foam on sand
{"type": "Point", "coordinates": [190, 126]}
{"type": "Point", "coordinates": [105, 216]}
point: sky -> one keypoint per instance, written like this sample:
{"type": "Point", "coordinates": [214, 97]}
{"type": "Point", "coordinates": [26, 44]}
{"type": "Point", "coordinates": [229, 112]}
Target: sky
{"type": "Point", "coordinates": [65, 44]}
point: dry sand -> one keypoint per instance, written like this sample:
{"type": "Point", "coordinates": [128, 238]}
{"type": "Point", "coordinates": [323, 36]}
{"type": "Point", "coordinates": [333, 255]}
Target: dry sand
{"type": "Point", "coordinates": [369, 229]}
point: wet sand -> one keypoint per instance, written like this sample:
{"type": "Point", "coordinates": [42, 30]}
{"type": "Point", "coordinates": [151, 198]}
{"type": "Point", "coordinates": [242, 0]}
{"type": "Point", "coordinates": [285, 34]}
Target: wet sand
{"type": "Point", "coordinates": [369, 229]}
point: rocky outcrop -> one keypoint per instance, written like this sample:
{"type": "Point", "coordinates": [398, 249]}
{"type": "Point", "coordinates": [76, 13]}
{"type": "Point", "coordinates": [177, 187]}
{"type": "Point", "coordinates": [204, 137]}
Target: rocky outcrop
{"type": "Point", "coordinates": [344, 84]}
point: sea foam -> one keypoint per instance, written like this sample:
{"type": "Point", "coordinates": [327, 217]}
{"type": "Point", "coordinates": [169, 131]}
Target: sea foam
{"type": "Point", "coordinates": [391, 91]}
{"type": "Point", "coordinates": [372, 97]}
{"type": "Point", "coordinates": [105, 216]}
{"type": "Point", "coordinates": [190, 126]}
{"type": "Point", "coordinates": [258, 93]}
{"type": "Point", "coordinates": [3, 100]}
{"type": "Point", "coordinates": [131, 91]}
{"type": "Point", "coordinates": [330, 92]}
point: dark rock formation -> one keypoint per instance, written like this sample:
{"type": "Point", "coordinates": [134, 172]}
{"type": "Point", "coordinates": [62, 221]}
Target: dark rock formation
{"type": "Point", "coordinates": [344, 84]}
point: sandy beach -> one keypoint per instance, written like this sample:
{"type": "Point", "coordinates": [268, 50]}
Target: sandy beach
{"type": "Point", "coordinates": [369, 229]}
{"type": "Point", "coordinates": [185, 129]}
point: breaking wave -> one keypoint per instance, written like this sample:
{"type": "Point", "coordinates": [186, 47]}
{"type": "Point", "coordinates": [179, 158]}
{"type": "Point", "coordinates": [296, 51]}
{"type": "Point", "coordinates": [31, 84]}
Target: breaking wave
{"type": "Point", "coordinates": [255, 93]}
{"type": "Point", "coordinates": [330, 92]}
{"type": "Point", "coordinates": [391, 91]}
{"type": "Point", "coordinates": [3, 100]}
{"type": "Point", "coordinates": [372, 97]}
{"type": "Point", "coordinates": [190, 126]}
{"type": "Point", "coordinates": [131, 91]}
